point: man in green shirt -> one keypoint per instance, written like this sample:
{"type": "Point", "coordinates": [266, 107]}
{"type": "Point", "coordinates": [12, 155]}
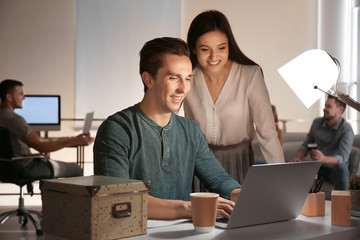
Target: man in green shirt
{"type": "Point", "coordinates": [148, 141]}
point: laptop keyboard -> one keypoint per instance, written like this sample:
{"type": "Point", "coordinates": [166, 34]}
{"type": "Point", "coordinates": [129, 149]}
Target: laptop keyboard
{"type": "Point", "coordinates": [221, 219]}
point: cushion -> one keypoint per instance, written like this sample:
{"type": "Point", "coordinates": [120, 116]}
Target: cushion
{"type": "Point", "coordinates": [354, 159]}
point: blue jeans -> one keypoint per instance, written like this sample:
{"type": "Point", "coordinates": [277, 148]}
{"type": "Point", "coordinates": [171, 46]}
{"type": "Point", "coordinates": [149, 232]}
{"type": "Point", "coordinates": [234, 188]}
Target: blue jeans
{"type": "Point", "coordinates": [257, 162]}
{"type": "Point", "coordinates": [338, 175]}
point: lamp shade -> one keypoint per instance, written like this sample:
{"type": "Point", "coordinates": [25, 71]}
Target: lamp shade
{"type": "Point", "coordinates": [313, 67]}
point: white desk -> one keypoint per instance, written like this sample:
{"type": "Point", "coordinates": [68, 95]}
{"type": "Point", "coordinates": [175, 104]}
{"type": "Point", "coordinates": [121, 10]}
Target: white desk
{"type": "Point", "coordinates": [301, 228]}
{"type": "Point", "coordinates": [80, 149]}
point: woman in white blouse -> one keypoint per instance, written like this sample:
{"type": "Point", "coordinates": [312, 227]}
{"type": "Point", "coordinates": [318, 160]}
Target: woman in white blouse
{"type": "Point", "coordinates": [228, 97]}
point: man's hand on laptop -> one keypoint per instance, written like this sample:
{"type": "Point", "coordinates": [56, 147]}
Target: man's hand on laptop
{"type": "Point", "coordinates": [225, 207]}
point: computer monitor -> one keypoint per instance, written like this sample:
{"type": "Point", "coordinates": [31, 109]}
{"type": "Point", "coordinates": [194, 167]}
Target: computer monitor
{"type": "Point", "coordinates": [41, 112]}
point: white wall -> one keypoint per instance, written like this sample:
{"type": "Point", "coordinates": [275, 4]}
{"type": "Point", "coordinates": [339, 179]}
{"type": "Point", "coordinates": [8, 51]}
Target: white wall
{"type": "Point", "coordinates": [107, 51]}
{"type": "Point", "coordinates": [37, 46]}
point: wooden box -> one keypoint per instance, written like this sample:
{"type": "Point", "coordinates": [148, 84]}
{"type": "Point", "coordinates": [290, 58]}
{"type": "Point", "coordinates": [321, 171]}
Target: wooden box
{"type": "Point", "coordinates": [314, 205]}
{"type": "Point", "coordinates": [94, 207]}
{"type": "Point", "coordinates": [340, 208]}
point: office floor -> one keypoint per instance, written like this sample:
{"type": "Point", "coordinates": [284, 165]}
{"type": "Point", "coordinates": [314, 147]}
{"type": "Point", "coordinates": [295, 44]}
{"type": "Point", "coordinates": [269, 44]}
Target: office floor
{"type": "Point", "coordinates": [13, 230]}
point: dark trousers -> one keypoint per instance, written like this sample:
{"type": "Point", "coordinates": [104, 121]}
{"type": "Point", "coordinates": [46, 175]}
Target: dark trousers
{"type": "Point", "coordinates": [39, 168]}
{"type": "Point", "coordinates": [338, 175]}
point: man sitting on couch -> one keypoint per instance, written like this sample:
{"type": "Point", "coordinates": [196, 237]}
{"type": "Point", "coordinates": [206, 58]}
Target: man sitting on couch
{"type": "Point", "coordinates": [333, 137]}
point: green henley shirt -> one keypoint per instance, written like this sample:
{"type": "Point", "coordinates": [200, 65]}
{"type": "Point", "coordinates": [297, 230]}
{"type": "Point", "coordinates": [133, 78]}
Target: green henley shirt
{"type": "Point", "coordinates": [130, 145]}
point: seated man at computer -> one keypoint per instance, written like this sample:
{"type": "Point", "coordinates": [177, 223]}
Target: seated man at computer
{"type": "Point", "coordinates": [23, 137]}
{"type": "Point", "coordinates": [334, 138]}
{"type": "Point", "coordinates": [148, 141]}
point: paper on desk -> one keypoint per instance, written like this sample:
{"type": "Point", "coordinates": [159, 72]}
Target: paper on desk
{"type": "Point", "coordinates": [160, 223]}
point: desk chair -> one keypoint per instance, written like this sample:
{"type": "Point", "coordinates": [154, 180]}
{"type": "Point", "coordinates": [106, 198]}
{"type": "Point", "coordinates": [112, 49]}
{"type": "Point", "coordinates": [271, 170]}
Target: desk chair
{"type": "Point", "coordinates": [9, 173]}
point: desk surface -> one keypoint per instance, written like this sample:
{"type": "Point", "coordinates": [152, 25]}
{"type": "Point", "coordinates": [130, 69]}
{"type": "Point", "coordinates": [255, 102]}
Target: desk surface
{"type": "Point", "coordinates": [80, 153]}
{"type": "Point", "coordinates": [300, 228]}
{"type": "Point", "coordinates": [54, 139]}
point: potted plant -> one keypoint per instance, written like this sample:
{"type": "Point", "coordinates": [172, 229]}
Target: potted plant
{"type": "Point", "coordinates": [354, 186]}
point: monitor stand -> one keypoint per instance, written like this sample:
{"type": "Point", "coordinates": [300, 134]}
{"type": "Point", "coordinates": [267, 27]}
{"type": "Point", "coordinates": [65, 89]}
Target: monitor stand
{"type": "Point", "coordinates": [46, 134]}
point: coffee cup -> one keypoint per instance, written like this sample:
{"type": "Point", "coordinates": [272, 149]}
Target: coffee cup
{"type": "Point", "coordinates": [312, 146]}
{"type": "Point", "coordinates": [203, 209]}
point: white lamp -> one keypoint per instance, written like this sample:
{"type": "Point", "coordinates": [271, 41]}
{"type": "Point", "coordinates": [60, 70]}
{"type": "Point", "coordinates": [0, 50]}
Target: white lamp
{"type": "Point", "coordinates": [312, 70]}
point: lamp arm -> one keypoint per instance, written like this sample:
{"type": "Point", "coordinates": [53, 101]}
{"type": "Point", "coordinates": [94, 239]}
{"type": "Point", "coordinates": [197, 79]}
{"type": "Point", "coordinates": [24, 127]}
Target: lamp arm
{"type": "Point", "coordinates": [345, 98]}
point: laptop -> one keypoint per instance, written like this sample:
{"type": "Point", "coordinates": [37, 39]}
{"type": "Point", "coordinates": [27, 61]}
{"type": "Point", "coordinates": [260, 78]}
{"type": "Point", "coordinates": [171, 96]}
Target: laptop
{"type": "Point", "coordinates": [86, 128]}
{"type": "Point", "coordinates": [272, 193]}
{"type": "Point", "coordinates": [88, 122]}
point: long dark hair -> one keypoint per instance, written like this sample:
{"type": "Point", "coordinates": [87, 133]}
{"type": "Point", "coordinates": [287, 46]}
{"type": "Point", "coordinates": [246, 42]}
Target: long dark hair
{"type": "Point", "coordinates": [209, 21]}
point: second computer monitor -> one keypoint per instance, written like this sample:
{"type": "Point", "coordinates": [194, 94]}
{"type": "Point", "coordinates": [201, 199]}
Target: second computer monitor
{"type": "Point", "coordinates": [41, 112]}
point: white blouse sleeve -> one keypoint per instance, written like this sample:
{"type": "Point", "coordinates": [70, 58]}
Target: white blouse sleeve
{"type": "Point", "coordinates": [261, 113]}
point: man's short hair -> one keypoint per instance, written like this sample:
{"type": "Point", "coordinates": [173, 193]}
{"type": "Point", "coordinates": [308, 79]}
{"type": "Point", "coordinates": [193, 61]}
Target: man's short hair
{"type": "Point", "coordinates": [338, 102]}
{"type": "Point", "coordinates": [153, 50]}
{"type": "Point", "coordinates": [7, 86]}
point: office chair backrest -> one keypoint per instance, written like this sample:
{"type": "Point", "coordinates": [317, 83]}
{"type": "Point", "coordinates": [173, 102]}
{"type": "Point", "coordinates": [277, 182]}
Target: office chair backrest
{"type": "Point", "coordinates": [7, 167]}
{"type": "Point", "coordinates": [5, 144]}
{"type": "Point", "coordinates": [9, 174]}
